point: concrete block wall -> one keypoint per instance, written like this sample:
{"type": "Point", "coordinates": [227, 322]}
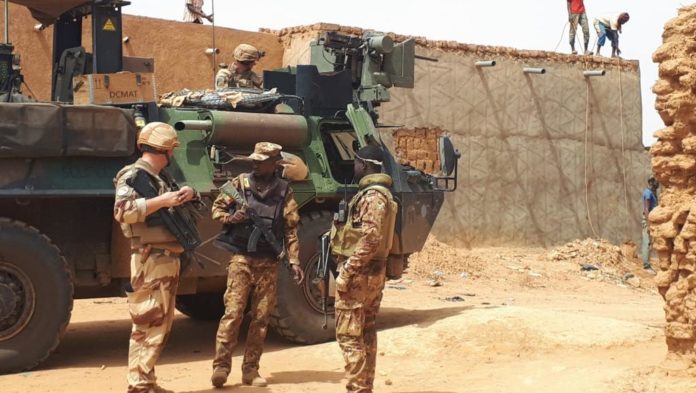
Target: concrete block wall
{"type": "Point", "coordinates": [545, 158]}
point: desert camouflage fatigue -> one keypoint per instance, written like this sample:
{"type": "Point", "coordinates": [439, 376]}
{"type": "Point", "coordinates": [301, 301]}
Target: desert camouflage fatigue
{"type": "Point", "coordinates": [247, 277]}
{"type": "Point", "coordinates": [359, 294]}
{"type": "Point", "coordinates": [228, 77]}
{"type": "Point", "coordinates": [255, 278]}
{"type": "Point", "coordinates": [154, 277]}
{"type": "Point", "coordinates": [356, 332]}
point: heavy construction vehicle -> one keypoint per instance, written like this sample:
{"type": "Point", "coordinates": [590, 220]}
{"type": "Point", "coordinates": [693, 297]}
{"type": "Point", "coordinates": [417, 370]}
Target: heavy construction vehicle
{"type": "Point", "coordinates": [58, 240]}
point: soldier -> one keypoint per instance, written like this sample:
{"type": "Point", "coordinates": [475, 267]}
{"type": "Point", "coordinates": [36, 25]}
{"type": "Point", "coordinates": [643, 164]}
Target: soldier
{"type": "Point", "coordinates": [155, 254]}
{"type": "Point", "coordinates": [362, 245]}
{"type": "Point", "coordinates": [240, 74]}
{"type": "Point", "coordinates": [254, 274]}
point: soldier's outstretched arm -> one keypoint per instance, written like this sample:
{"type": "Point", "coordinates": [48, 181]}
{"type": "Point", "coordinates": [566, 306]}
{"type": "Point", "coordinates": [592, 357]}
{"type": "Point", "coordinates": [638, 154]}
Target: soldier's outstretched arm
{"type": "Point", "coordinates": [372, 209]}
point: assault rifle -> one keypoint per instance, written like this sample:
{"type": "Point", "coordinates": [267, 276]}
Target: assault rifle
{"type": "Point", "coordinates": [260, 228]}
{"type": "Point", "coordinates": [322, 278]}
{"type": "Point", "coordinates": [175, 219]}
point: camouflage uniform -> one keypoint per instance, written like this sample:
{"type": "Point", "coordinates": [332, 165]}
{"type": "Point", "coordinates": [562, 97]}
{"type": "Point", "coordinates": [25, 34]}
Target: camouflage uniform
{"type": "Point", "coordinates": [228, 77]}
{"type": "Point", "coordinates": [360, 283]}
{"type": "Point", "coordinates": [154, 277]}
{"type": "Point", "coordinates": [254, 275]}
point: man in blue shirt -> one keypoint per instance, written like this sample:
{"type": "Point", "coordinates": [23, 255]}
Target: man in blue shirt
{"type": "Point", "coordinates": [649, 203]}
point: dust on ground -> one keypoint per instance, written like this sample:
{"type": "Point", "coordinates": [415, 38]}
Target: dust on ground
{"type": "Point", "coordinates": [518, 320]}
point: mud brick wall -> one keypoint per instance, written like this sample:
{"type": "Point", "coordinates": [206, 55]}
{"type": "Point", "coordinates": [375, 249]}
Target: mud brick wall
{"type": "Point", "coordinates": [673, 222]}
{"type": "Point", "coordinates": [178, 49]}
{"type": "Point", "coordinates": [418, 148]}
{"type": "Point", "coordinates": [545, 158]}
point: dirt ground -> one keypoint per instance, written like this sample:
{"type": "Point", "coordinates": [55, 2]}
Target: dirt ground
{"type": "Point", "coordinates": [510, 320]}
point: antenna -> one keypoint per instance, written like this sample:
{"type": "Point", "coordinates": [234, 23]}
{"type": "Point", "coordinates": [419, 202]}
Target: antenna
{"type": "Point", "coordinates": [214, 47]}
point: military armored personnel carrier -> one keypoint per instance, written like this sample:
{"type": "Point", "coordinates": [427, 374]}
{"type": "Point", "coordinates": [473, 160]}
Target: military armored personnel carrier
{"type": "Point", "coordinates": [58, 240]}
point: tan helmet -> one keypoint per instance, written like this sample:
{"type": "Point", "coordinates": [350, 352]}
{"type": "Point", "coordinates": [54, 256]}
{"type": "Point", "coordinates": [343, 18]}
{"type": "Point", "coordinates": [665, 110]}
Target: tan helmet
{"type": "Point", "coordinates": [245, 53]}
{"type": "Point", "coordinates": [159, 135]}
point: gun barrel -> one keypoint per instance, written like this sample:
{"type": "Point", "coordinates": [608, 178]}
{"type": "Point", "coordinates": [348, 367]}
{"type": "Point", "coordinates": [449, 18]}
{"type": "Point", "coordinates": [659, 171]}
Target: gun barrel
{"type": "Point", "coordinates": [421, 57]}
{"type": "Point", "coordinates": [200, 125]}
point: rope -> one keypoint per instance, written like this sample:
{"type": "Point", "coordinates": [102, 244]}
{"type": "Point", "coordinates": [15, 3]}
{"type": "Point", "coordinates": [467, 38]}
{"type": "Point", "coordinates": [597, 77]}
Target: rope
{"type": "Point", "coordinates": [561, 39]}
{"type": "Point", "coordinates": [587, 131]}
{"type": "Point", "coordinates": [621, 117]}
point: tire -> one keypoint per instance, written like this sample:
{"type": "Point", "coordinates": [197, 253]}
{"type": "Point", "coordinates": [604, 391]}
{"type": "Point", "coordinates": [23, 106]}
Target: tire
{"type": "Point", "coordinates": [295, 318]}
{"type": "Point", "coordinates": [201, 306]}
{"type": "Point", "coordinates": [36, 296]}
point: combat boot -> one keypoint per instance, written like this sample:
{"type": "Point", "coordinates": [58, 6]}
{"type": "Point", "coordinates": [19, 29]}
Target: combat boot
{"type": "Point", "coordinates": [159, 389]}
{"type": "Point", "coordinates": [254, 379]}
{"type": "Point", "coordinates": [219, 377]}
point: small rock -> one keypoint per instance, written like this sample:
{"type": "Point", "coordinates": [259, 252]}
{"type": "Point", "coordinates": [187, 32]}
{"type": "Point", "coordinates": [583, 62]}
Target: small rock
{"type": "Point", "coordinates": [454, 299]}
{"type": "Point", "coordinates": [586, 267]}
{"type": "Point", "coordinates": [381, 353]}
{"type": "Point", "coordinates": [463, 275]}
{"type": "Point", "coordinates": [434, 283]}
{"type": "Point", "coordinates": [634, 282]}
{"type": "Point", "coordinates": [534, 274]}
{"type": "Point", "coordinates": [103, 367]}
{"type": "Point", "coordinates": [388, 382]}
{"type": "Point", "coordinates": [382, 373]}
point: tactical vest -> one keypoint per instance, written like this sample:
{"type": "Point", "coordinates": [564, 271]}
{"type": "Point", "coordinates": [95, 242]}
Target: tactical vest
{"type": "Point", "coordinates": [269, 206]}
{"type": "Point", "coordinates": [150, 232]}
{"type": "Point", "coordinates": [345, 237]}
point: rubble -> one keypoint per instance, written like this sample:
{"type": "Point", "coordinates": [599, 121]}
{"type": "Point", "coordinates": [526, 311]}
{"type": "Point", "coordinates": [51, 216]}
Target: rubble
{"type": "Point", "coordinates": [437, 259]}
{"type": "Point", "coordinates": [598, 259]}
{"type": "Point", "coordinates": [589, 252]}
{"type": "Point", "coordinates": [673, 222]}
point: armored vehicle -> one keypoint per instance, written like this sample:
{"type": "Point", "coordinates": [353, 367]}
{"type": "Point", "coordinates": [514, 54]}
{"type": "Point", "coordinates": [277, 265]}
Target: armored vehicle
{"type": "Point", "coordinates": [58, 240]}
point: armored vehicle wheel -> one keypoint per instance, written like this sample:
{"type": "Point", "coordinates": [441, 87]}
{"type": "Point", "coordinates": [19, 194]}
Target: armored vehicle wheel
{"type": "Point", "coordinates": [298, 316]}
{"type": "Point", "coordinates": [201, 306]}
{"type": "Point", "coordinates": [36, 296]}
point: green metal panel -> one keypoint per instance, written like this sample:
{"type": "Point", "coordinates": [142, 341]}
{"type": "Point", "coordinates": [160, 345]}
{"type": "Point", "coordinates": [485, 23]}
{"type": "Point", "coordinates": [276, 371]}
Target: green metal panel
{"type": "Point", "coordinates": [191, 164]}
{"type": "Point", "coordinates": [362, 124]}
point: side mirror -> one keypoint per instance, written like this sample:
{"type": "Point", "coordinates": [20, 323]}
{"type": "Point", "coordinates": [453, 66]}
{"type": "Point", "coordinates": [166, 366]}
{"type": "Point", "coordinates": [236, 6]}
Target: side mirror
{"type": "Point", "coordinates": [448, 155]}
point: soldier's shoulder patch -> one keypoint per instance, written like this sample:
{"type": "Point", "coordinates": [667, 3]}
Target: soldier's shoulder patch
{"type": "Point", "coordinates": [245, 181]}
{"type": "Point", "coordinates": [123, 191]}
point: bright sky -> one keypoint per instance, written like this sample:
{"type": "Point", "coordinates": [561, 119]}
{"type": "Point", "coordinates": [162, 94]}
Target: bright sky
{"type": "Point", "coordinates": [530, 24]}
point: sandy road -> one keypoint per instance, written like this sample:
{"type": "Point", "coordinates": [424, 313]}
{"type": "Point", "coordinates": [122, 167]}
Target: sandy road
{"type": "Point", "coordinates": [567, 335]}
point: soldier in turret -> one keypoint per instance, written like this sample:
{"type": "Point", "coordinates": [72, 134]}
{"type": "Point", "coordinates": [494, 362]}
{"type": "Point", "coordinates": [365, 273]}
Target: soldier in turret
{"type": "Point", "coordinates": [362, 244]}
{"type": "Point", "coordinates": [254, 274]}
{"type": "Point", "coordinates": [240, 73]}
{"type": "Point", "coordinates": [155, 254]}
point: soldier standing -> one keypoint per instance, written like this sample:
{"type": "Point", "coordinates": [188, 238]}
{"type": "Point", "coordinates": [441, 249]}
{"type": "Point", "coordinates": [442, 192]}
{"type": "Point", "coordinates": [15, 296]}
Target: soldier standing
{"type": "Point", "coordinates": [254, 273]}
{"type": "Point", "coordinates": [240, 74]}
{"type": "Point", "coordinates": [154, 264]}
{"type": "Point", "coordinates": [362, 245]}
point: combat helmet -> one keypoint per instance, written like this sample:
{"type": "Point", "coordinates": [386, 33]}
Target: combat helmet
{"type": "Point", "coordinates": [159, 135]}
{"type": "Point", "coordinates": [246, 53]}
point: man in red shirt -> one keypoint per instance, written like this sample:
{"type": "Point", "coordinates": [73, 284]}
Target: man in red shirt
{"type": "Point", "coordinates": [577, 14]}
